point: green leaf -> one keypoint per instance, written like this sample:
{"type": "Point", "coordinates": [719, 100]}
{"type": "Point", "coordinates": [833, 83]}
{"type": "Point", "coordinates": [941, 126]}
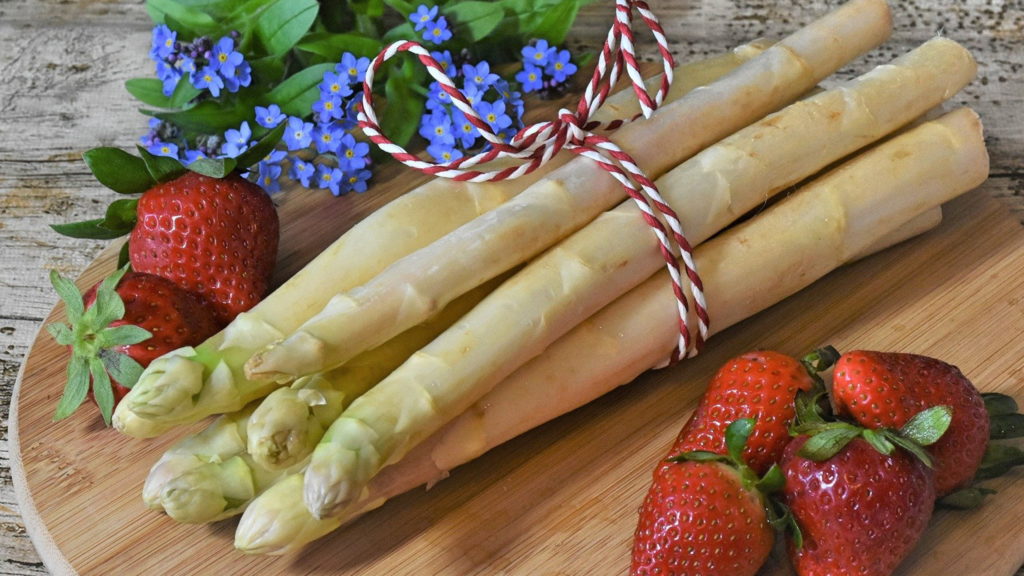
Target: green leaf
{"type": "Point", "coordinates": [76, 389]}
{"type": "Point", "coordinates": [149, 91]}
{"type": "Point", "coordinates": [399, 119]}
{"type": "Point", "coordinates": [161, 168]}
{"type": "Point", "coordinates": [403, 8]}
{"type": "Point", "coordinates": [122, 255]}
{"type": "Point", "coordinates": [123, 335]}
{"type": "Point", "coordinates": [965, 498]}
{"type": "Point", "coordinates": [297, 94]}
{"type": "Point", "coordinates": [547, 19]}
{"type": "Point", "coordinates": [736, 435]}
{"type": "Point", "coordinates": [102, 388]}
{"type": "Point", "coordinates": [820, 360]}
{"type": "Point", "coordinates": [910, 446]}
{"type": "Point", "coordinates": [997, 404]}
{"type": "Point", "coordinates": [282, 23]}
{"type": "Point", "coordinates": [88, 229]}
{"type": "Point", "coordinates": [781, 519]}
{"type": "Point", "coordinates": [108, 305]}
{"type": "Point", "coordinates": [210, 116]}
{"type": "Point", "coordinates": [473, 20]}
{"type": "Point", "coordinates": [699, 456]}
{"type": "Point", "coordinates": [187, 21]}
{"type": "Point", "coordinates": [403, 31]}
{"type": "Point", "coordinates": [68, 292]}
{"type": "Point", "coordinates": [183, 93]}
{"type": "Point", "coordinates": [927, 426]}
{"type": "Point", "coordinates": [371, 8]}
{"type": "Point", "coordinates": [269, 69]}
{"type": "Point", "coordinates": [217, 9]}
{"type": "Point", "coordinates": [998, 460]}
{"type": "Point", "coordinates": [121, 367]}
{"type": "Point", "coordinates": [828, 442]}
{"type": "Point", "coordinates": [772, 481]}
{"type": "Point", "coordinates": [214, 167]}
{"type": "Point", "coordinates": [878, 441]}
{"type": "Point", "coordinates": [121, 214]}
{"type": "Point", "coordinates": [61, 333]}
{"type": "Point", "coordinates": [118, 170]}
{"type": "Point", "coordinates": [1005, 426]}
{"type": "Point", "coordinates": [808, 407]}
{"type": "Point", "coordinates": [332, 46]}
{"type": "Point", "coordinates": [259, 150]}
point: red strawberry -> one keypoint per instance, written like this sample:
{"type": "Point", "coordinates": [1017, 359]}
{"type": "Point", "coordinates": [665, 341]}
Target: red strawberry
{"type": "Point", "coordinates": [216, 237]}
{"type": "Point", "coordinates": [860, 512]}
{"type": "Point", "coordinates": [703, 517]}
{"type": "Point", "coordinates": [118, 328]}
{"type": "Point", "coordinates": [761, 385]}
{"type": "Point", "coordinates": [885, 389]}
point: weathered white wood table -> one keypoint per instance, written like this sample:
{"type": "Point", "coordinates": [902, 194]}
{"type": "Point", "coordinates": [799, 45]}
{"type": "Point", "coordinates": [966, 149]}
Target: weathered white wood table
{"type": "Point", "coordinates": [63, 64]}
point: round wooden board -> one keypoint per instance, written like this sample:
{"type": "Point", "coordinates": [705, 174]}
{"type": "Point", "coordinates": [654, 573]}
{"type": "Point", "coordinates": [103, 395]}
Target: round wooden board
{"type": "Point", "coordinates": [561, 499]}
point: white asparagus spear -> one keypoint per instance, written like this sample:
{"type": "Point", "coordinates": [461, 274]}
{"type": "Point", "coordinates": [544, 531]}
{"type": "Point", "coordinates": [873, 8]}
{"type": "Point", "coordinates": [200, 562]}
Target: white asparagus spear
{"type": "Point", "coordinates": [584, 364]}
{"type": "Point", "coordinates": [190, 384]}
{"type": "Point", "coordinates": [414, 288]}
{"type": "Point", "coordinates": [287, 425]}
{"type": "Point", "coordinates": [613, 254]}
{"type": "Point", "coordinates": [835, 218]}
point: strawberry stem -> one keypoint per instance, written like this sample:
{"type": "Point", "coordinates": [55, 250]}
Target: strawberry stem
{"type": "Point", "coordinates": [820, 359]}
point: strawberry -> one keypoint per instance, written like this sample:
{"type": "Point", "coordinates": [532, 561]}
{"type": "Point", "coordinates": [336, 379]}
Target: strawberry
{"type": "Point", "coordinates": [117, 328]}
{"type": "Point", "coordinates": [761, 385]}
{"type": "Point", "coordinates": [705, 514]}
{"type": "Point", "coordinates": [216, 237]}
{"type": "Point", "coordinates": [860, 512]}
{"type": "Point", "coordinates": [885, 389]}
{"type": "Point", "coordinates": [203, 227]}
{"type": "Point", "coordinates": [858, 498]}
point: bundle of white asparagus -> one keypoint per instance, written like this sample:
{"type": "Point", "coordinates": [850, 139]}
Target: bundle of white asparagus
{"type": "Point", "coordinates": [516, 302]}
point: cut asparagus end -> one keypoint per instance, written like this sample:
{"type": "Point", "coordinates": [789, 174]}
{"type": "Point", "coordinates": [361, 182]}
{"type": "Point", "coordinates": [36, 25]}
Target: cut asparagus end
{"type": "Point", "coordinates": [341, 467]}
{"type": "Point", "coordinates": [287, 425]}
{"type": "Point", "coordinates": [171, 466]}
{"type": "Point", "coordinates": [183, 387]}
{"type": "Point", "coordinates": [135, 426]}
{"type": "Point", "coordinates": [209, 492]}
{"type": "Point", "coordinates": [277, 522]}
{"type": "Point", "coordinates": [164, 388]}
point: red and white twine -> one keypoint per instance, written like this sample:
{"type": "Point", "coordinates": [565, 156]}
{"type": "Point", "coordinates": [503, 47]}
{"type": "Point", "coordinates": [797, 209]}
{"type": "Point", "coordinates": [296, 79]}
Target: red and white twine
{"type": "Point", "coordinates": [536, 144]}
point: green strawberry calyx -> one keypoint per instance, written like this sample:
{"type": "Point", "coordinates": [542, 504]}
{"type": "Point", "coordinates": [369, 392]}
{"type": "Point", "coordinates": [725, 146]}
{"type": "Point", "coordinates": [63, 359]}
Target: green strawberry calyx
{"type": "Point", "coordinates": [1005, 422]}
{"type": "Point", "coordinates": [93, 342]}
{"type": "Point", "coordinates": [826, 439]}
{"type": "Point", "coordinates": [132, 175]}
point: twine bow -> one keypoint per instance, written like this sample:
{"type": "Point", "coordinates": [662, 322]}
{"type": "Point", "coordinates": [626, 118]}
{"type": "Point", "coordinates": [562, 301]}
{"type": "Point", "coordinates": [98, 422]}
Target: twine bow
{"type": "Point", "coordinates": [536, 144]}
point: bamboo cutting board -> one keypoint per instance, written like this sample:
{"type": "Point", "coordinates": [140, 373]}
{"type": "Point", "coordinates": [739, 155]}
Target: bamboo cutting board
{"type": "Point", "coordinates": [563, 498]}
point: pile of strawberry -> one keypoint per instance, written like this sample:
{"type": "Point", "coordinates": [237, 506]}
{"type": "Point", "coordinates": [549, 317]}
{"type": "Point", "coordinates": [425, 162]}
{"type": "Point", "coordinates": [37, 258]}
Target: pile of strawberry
{"type": "Point", "coordinates": [851, 476]}
{"type": "Point", "coordinates": [202, 247]}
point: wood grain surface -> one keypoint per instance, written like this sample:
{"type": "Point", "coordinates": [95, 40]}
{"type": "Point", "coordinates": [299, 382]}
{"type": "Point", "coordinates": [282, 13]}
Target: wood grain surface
{"type": "Point", "coordinates": [64, 63]}
{"type": "Point", "coordinates": [561, 499]}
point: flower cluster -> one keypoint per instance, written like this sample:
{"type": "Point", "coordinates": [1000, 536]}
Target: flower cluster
{"type": "Point", "coordinates": [213, 67]}
{"type": "Point", "coordinates": [432, 27]}
{"type": "Point", "coordinates": [321, 148]}
{"type": "Point", "coordinates": [546, 69]}
{"type": "Point", "coordinates": [340, 163]}
{"type": "Point", "coordinates": [323, 153]}
{"type": "Point", "coordinates": [449, 132]}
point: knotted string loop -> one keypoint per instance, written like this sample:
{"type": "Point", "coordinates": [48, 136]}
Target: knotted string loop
{"type": "Point", "coordinates": [536, 144]}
